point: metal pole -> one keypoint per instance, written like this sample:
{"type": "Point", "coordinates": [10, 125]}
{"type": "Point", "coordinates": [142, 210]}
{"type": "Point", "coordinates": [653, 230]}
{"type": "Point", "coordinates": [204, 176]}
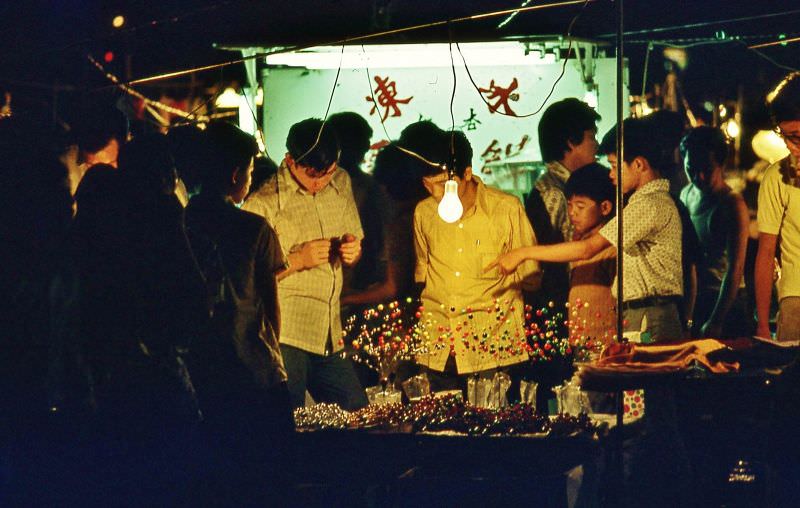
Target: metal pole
{"type": "Point", "coordinates": [621, 101]}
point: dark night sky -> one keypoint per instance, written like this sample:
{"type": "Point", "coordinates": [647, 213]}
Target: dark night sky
{"type": "Point", "coordinates": [42, 43]}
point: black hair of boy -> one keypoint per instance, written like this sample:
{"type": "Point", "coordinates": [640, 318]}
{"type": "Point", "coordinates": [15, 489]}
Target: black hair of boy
{"type": "Point", "coordinates": [310, 143]}
{"type": "Point", "coordinates": [784, 101]}
{"type": "Point", "coordinates": [591, 181]}
{"type": "Point", "coordinates": [229, 149]}
{"type": "Point", "coordinates": [709, 140]}
{"type": "Point", "coordinates": [354, 135]}
{"type": "Point", "coordinates": [642, 139]}
{"type": "Point", "coordinates": [562, 123]}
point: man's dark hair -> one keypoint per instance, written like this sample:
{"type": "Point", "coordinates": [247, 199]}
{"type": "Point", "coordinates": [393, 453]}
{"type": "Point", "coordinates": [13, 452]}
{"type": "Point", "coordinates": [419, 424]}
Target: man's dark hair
{"type": "Point", "coordinates": [564, 122]}
{"type": "Point", "coordinates": [190, 151]}
{"type": "Point", "coordinates": [229, 149]}
{"type": "Point", "coordinates": [97, 126]}
{"type": "Point", "coordinates": [263, 169]}
{"type": "Point", "coordinates": [354, 134]}
{"type": "Point", "coordinates": [591, 181]}
{"type": "Point", "coordinates": [399, 174]}
{"type": "Point", "coordinates": [707, 140]}
{"type": "Point", "coordinates": [438, 147]}
{"type": "Point", "coordinates": [423, 138]}
{"type": "Point", "coordinates": [784, 100]}
{"type": "Point", "coordinates": [147, 166]}
{"type": "Point", "coordinates": [459, 151]}
{"type": "Point", "coordinates": [307, 150]}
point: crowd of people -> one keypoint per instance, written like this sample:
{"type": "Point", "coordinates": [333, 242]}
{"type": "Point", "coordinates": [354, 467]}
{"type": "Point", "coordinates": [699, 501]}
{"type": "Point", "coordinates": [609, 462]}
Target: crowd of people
{"type": "Point", "coordinates": [181, 292]}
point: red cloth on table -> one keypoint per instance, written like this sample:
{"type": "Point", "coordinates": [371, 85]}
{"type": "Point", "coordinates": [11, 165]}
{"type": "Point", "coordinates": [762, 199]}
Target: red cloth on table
{"type": "Point", "coordinates": [664, 358]}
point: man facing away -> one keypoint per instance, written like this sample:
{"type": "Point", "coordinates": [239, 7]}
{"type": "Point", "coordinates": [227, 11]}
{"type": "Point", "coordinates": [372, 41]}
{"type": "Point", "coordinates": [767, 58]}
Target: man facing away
{"type": "Point", "coordinates": [310, 204]}
{"type": "Point", "coordinates": [236, 364]}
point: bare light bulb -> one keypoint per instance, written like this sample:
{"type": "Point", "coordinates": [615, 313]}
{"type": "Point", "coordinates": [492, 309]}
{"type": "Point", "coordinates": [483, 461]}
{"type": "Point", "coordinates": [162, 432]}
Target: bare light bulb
{"type": "Point", "coordinates": [450, 207]}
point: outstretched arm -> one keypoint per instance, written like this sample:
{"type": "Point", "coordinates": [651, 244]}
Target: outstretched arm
{"type": "Point", "coordinates": [557, 253]}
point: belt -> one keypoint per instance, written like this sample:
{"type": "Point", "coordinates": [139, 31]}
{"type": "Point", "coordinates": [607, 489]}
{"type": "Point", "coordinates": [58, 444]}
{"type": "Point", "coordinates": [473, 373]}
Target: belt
{"type": "Point", "coordinates": [650, 301]}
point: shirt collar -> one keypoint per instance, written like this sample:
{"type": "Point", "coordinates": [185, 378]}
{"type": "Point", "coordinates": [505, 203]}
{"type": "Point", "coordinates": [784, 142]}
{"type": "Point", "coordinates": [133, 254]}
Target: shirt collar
{"type": "Point", "coordinates": [651, 187]}
{"type": "Point", "coordinates": [558, 170]}
{"type": "Point", "coordinates": [480, 199]}
{"type": "Point", "coordinates": [288, 186]}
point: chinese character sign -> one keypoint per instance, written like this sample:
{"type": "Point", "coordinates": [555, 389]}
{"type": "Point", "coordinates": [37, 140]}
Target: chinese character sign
{"type": "Point", "coordinates": [386, 92]}
{"type": "Point", "coordinates": [501, 96]}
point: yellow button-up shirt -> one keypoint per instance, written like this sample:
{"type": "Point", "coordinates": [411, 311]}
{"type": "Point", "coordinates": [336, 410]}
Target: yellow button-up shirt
{"type": "Point", "coordinates": [478, 317]}
{"type": "Point", "coordinates": [309, 299]}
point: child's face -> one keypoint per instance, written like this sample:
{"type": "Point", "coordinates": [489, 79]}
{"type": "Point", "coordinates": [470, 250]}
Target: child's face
{"type": "Point", "coordinates": [630, 179]}
{"type": "Point", "coordinates": [585, 213]}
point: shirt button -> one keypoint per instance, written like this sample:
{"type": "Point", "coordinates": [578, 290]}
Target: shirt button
{"type": "Point", "coordinates": [458, 274]}
{"type": "Point", "coordinates": [460, 226]}
{"type": "Point", "coordinates": [460, 250]}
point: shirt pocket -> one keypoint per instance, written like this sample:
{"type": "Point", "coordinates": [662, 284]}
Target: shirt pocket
{"type": "Point", "coordinates": [484, 256]}
{"type": "Point", "coordinates": [286, 233]}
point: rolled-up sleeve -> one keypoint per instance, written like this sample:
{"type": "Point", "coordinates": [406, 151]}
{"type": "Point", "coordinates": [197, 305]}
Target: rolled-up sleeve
{"type": "Point", "coordinates": [522, 235]}
{"type": "Point", "coordinates": [638, 224]}
{"type": "Point", "coordinates": [771, 202]}
{"type": "Point", "coordinates": [420, 249]}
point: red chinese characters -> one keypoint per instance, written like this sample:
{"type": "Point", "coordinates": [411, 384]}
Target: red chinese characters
{"type": "Point", "coordinates": [501, 96]}
{"type": "Point", "coordinates": [386, 92]}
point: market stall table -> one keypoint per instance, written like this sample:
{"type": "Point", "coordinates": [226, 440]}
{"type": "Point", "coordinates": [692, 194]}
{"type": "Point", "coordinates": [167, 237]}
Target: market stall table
{"type": "Point", "coordinates": [401, 468]}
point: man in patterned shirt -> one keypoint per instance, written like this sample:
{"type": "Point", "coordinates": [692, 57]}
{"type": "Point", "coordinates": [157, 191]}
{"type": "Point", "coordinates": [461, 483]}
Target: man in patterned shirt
{"type": "Point", "coordinates": [652, 288]}
{"type": "Point", "coordinates": [567, 140]}
{"type": "Point", "coordinates": [310, 204]}
{"type": "Point", "coordinates": [651, 250]}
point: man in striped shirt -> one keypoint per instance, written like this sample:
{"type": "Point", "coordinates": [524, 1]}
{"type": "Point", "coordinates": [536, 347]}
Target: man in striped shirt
{"type": "Point", "coordinates": [310, 204]}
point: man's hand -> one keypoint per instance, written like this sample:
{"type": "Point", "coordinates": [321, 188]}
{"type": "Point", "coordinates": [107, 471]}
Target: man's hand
{"type": "Point", "coordinates": [506, 263]}
{"type": "Point", "coordinates": [314, 253]}
{"type": "Point", "coordinates": [350, 250]}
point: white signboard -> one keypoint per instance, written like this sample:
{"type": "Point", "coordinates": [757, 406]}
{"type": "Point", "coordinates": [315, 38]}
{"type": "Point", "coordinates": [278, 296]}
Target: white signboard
{"type": "Point", "coordinates": [393, 86]}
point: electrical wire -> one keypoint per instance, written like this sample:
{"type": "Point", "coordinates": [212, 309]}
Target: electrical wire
{"type": "Point", "coordinates": [644, 75]}
{"type": "Point", "coordinates": [703, 24]}
{"type": "Point", "coordinates": [452, 167]}
{"type": "Point", "coordinates": [383, 124]}
{"type": "Point", "coordinates": [780, 42]}
{"type": "Point", "coordinates": [772, 61]}
{"type": "Point", "coordinates": [555, 83]}
{"type": "Point", "coordinates": [148, 101]}
{"type": "Point", "coordinates": [512, 15]}
{"type": "Point", "coordinates": [358, 38]}
{"type": "Point", "coordinates": [327, 110]}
